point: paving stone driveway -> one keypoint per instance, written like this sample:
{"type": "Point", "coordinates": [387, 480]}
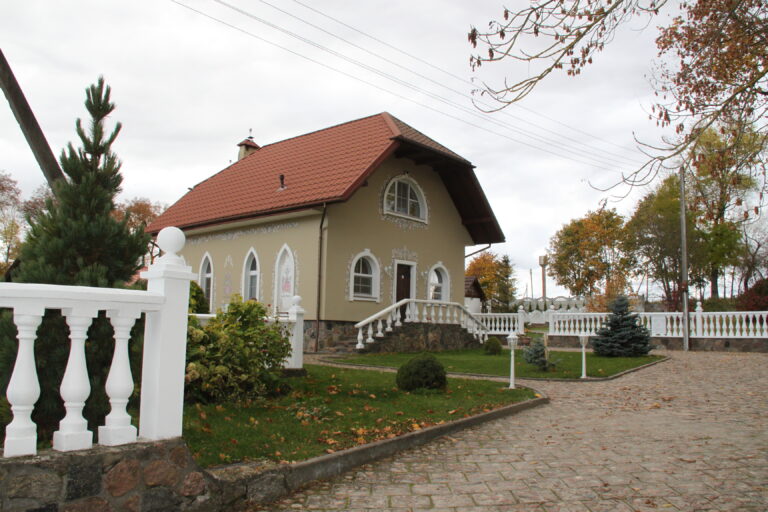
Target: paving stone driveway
{"type": "Point", "coordinates": [688, 434]}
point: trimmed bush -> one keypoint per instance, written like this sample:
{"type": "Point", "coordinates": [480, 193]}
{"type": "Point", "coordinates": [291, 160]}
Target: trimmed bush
{"type": "Point", "coordinates": [237, 356]}
{"type": "Point", "coordinates": [197, 301]}
{"type": "Point", "coordinates": [422, 372]}
{"type": "Point", "coordinates": [536, 355]}
{"type": "Point", "coordinates": [492, 346]}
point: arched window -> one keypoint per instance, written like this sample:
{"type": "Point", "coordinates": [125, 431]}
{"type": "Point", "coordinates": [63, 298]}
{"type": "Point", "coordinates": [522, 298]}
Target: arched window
{"type": "Point", "coordinates": [206, 279]}
{"type": "Point", "coordinates": [404, 198]}
{"type": "Point", "coordinates": [364, 277]}
{"type": "Point", "coordinates": [438, 284]}
{"type": "Point", "coordinates": [251, 277]}
{"type": "Point", "coordinates": [285, 273]}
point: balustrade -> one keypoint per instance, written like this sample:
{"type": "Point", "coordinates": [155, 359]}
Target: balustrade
{"type": "Point", "coordinates": [164, 303]}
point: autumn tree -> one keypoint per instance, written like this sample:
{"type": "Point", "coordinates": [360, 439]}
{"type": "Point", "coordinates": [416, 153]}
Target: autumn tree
{"type": "Point", "coordinates": [713, 60]}
{"type": "Point", "coordinates": [10, 220]}
{"type": "Point", "coordinates": [586, 255]}
{"type": "Point", "coordinates": [496, 275]}
{"type": "Point", "coordinates": [139, 211]}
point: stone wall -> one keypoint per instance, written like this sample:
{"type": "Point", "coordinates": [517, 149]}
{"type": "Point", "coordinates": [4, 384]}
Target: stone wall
{"type": "Point", "coordinates": [424, 337]}
{"type": "Point", "coordinates": [141, 477]}
{"type": "Point", "coordinates": [702, 344]}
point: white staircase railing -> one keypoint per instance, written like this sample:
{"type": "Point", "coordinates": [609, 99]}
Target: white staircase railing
{"type": "Point", "coordinates": [165, 335]}
{"type": "Point", "coordinates": [417, 310]}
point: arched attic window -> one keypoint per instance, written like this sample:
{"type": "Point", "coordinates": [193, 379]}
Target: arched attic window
{"type": "Point", "coordinates": [206, 279]}
{"type": "Point", "coordinates": [405, 198]}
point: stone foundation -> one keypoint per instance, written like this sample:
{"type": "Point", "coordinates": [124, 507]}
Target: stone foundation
{"type": "Point", "coordinates": [141, 477]}
{"type": "Point", "coordinates": [423, 337]}
{"type": "Point", "coordinates": [699, 344]}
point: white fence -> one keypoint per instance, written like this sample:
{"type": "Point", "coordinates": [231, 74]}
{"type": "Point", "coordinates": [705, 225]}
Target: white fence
{"type": "Point", "coordinates": [417, 310]}
{"type": "Point", "coordinates": [725, 324]}
{"type": "Point", "coordinates": [162, 386]}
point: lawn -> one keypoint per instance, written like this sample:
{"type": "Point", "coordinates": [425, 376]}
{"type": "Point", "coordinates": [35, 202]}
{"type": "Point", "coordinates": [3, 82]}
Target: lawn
{"type": "Point", "coordinates": [476, 361]}
{"type": "Point", "coordinates": [329, 410]}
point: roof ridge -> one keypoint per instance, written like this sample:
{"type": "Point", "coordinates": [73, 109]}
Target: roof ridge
{"type": "Point", "coordinates": [323, 129]}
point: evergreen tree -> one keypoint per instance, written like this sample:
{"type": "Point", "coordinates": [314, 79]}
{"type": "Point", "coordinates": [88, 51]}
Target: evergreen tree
{"type": "Point", "coordinates": [622, 335]}
{"type": "Point", "coordinates": [77, 240]}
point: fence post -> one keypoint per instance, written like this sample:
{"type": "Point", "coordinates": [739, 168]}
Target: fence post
{"type": "Point", "coordinates": [296, 316]}
{"type": "Point", "coordinates": [165, 341]}
{"type": "Point", "coordinates": [520, 320]}
{"type": "Point", "coordinates": [699, 320]}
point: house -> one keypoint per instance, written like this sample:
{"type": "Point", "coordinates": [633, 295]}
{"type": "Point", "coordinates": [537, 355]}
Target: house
{"type": "Point", "coordinates": [474, 295]}
{"type": "Point", "coordinates": [352, 218]}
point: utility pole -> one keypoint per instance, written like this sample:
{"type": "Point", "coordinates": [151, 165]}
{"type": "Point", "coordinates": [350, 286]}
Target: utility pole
{"type": "Point", "coordinates": [29, 126]}
{"type": "Point", "coordinates": [683, 259]}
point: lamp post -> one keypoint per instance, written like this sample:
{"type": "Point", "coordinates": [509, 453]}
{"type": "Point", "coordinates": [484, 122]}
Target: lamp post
{"type": "Point", "coordinates": [543, 263]}
{"type": "Point", "coordinates": [583, 340]}
{"type": "Point", "coordinates": [512, 340]}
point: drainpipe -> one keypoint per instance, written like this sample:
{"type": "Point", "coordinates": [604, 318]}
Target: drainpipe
{"type": "Point", "coordinates": [478, 251]}
{"type": "Point", "coordinates": [319, 278]}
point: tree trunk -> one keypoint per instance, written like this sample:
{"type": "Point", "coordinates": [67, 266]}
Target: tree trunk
{"type": "Point", "coordinates": [714, 274]}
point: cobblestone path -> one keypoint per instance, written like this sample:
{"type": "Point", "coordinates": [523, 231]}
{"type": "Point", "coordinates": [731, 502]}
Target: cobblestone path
{"type": "Point", "coordinates": [689, 434]}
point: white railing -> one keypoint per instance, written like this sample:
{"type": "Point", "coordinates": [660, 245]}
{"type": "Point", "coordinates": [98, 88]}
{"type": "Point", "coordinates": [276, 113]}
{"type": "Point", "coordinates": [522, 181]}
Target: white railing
{"type": "Point", "coordinates": [503, 323]}
{"type": "Point", "coordinates": [293, 324]}
{"type": "Point", "coordinates": [725, 324]}
{"type": "Point", "coordinates": [162, 386]}
{"type": "Point", "coordinates": [417, 310]}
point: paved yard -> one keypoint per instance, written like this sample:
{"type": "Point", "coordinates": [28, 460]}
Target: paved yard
{"type": "Point", "coordinates": [688, 434]}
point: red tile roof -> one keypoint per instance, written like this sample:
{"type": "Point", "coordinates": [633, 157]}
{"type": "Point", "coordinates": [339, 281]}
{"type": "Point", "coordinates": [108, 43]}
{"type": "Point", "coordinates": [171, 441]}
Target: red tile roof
{"type": "Point", "coordinates": [319, 167]}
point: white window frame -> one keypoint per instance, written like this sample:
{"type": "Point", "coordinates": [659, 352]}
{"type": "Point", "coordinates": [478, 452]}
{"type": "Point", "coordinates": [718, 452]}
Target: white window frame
{"type": "Point", "coordinates": [285, 249]}
{"type": "Point", "coordinates": [445, 285]}
{"type": "Point", "coordinates": [375, 277]}
{"type": "Point", "coordinates": [251, 255]}
{"type": "Point", "coordinates": [202, 277]}
{"type": "Point", "coordinates": [419, 195]}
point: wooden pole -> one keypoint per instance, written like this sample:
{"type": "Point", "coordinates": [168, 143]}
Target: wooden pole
{"type": "Point", "coordinates": [29, 126]}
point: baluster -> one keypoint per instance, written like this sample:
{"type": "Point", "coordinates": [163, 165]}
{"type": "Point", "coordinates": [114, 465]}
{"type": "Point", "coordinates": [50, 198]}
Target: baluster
{"type": "Point", "coordinates": [409, 312]}
{"type": "Point", "coordinates": [440, 313]}
{"type": "Point", "coordinates": [23, 388]}
{"type": "Point", "coordinates": [73, 433]}
{"type": "Point", "coordinates": [379, 334]}
{"type": "Point", "coordinates": [389, 321]}
{"type": "Point", "coordinates": [423, 313]}
{"type": "Point", "coordinates": [117, 428]}
{"type": "Point", "coordinates": [369, 339]}
{"type": "Point", "coordinates": [398, 313]}
{"type": "Point", "coordinates": [360, 345]}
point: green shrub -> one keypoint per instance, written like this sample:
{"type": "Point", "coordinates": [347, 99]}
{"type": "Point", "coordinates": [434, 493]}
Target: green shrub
{"type": "Point", "coordinates": [422, 372]}
{"type": "Point", "coordinates": [197, 301]}
{"type": "Point", "coordinates": [622, 335]}
{"type": "Point", "coordinates": [536, 354]}
{"type": "Point", "coordinates": [237, 356]}
{"type": "Point", "coordinates": [718, 304]}
{"type": "Point", "coordinates": [492, 346]}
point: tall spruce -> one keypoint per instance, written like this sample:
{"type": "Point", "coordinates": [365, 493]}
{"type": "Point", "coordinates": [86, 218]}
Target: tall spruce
{"type": "Point", "coordinates": [77, 240]}
{"type": "Point", "coordinates": [622, 335]}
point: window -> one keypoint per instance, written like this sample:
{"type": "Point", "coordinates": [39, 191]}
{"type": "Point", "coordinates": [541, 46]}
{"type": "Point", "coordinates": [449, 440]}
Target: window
{"type": "Point", "coordinates": [438, 288]}
{"type": "Point", "coordinates": [404, 197]}
{"type": "Point", "coordinates": [251, 277]}
{"type": "Point", "coordinates": [206, 279]}
{"type": "Point", "coordinates": [364, 277]}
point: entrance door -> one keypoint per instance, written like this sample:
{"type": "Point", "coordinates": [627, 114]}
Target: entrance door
{"type": "Point", "coordinates": [403, 286]}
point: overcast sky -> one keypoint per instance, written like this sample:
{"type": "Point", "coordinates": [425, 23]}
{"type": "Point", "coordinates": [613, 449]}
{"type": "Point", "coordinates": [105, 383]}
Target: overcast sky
{"type": "Point", "coordinates": [188, 88]}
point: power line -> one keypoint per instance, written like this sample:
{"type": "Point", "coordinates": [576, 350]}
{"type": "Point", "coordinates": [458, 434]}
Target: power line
{"type": "Point", "coordinates": [599, 159]}
{"type": "Point", "coordinates": [376, 86]}
{"type": "Point", "coordinates": [457, 77]}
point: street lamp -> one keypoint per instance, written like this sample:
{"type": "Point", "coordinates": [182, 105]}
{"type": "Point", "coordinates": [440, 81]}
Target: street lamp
{"type": "Point", "coordinates": [543, 263]}
{"type": "Point", "coordinates": [512, 340]}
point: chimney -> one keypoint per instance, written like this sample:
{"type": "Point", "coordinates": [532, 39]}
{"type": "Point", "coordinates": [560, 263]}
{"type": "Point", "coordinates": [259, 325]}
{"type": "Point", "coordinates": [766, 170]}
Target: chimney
{"type": "Point", "coordinates": [247, 147]}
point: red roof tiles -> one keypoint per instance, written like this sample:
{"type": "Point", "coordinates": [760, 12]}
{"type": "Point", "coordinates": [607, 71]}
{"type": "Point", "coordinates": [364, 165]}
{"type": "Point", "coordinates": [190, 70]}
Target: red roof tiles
{"type": "Point", "coordinates": [319, 167]}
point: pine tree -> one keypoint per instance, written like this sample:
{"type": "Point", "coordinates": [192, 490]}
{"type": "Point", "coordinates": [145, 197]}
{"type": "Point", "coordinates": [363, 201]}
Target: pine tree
{"type": "Point", "coordinates": [77, 240]}
{"type": "Point", "coordinates": [622, 335]}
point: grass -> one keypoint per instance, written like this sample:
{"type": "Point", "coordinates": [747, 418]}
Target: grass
{"type": "Point", "coordinates": [475, 361]}
{"type": "Point", "coordinates": [329, 410]}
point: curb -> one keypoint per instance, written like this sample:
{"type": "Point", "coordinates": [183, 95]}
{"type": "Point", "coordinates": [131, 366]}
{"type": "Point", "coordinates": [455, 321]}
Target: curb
{"type": "Point", "coordinates": [258, 486]}
{"type": "Point", "coordinates": [500, 378]}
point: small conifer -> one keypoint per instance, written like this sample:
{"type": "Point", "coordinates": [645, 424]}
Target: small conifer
{"type": "Point", "coordinates": [622, 335]}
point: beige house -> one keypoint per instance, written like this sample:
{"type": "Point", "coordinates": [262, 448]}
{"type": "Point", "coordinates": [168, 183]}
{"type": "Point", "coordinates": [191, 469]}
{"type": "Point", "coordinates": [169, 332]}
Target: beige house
{"type": "Point", "coordinates": [351, 218]}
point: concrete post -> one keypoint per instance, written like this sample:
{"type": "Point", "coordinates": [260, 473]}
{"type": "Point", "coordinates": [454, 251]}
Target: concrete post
{"type": "Point", "coordinates": [165, 341]}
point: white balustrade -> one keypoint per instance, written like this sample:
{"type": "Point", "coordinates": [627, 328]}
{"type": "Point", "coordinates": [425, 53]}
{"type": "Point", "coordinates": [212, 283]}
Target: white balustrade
{"type": "Point", "coordinates": [164, 303]}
